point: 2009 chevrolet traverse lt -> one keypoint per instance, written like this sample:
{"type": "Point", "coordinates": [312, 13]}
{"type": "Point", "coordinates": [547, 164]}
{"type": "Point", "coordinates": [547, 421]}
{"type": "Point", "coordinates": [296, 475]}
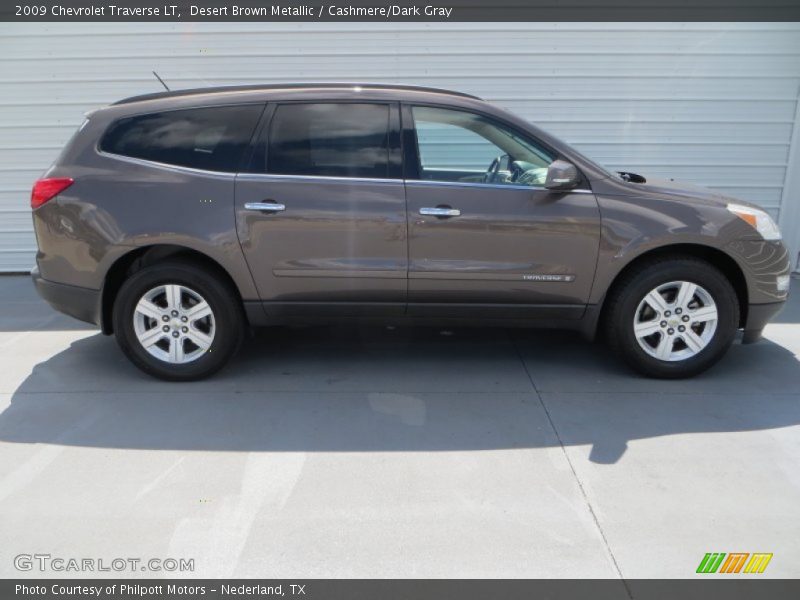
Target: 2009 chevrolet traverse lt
{"type": "Point", "coordinates": [176, 220]}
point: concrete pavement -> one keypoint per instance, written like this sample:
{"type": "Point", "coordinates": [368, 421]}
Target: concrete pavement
{"type": "Point", "coordinates": [369, 452]}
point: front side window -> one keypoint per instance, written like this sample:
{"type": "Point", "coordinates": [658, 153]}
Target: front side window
{"type": "Point", "coordinates": [465, 147]}
{"type": "Point", "coordinates": [212, 139]}
{"type": "Point", "coordinates": [334, 140]}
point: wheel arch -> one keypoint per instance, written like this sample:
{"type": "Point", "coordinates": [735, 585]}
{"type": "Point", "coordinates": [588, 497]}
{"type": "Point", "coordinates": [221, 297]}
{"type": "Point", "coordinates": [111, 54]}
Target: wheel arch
{"type": "Point", "coordinates": [145, 256]}
{"type": "Point", "coordinates": [714, 256]}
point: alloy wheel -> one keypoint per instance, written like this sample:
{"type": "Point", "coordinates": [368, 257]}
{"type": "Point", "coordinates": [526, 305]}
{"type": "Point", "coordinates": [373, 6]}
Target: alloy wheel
{"type": "Point", "coordinates": [675, 321]}
{"type": "Point", "coordinates": [174, 323]}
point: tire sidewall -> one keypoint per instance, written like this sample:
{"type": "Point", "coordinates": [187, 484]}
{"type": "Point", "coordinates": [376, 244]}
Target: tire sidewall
{"type": "Point", "coordinates": [227, 319]}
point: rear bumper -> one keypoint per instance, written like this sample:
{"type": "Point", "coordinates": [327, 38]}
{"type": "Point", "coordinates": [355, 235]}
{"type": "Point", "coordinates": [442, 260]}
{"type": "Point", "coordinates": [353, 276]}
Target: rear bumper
{"type": "Point", "coordinates": [78, 302]}
{"type": "Point", "coordinates": [758, 315]}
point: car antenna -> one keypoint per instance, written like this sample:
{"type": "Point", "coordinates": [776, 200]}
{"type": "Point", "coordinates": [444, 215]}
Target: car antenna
{"type": "Point", "coordinates": [162, 81]}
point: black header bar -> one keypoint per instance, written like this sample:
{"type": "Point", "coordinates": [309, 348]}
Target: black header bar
{"type": "Point", "coordinates": [400, 10]}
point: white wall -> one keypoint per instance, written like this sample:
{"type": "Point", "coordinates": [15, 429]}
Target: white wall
{"type": "Point", "coordinates": [713, 104]}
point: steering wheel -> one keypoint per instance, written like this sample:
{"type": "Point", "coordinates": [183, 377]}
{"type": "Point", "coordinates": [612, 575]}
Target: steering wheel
{"type": "Point", "coordinates": [516, 171]}
{"type": "Point", "coordinates": [494, 169]}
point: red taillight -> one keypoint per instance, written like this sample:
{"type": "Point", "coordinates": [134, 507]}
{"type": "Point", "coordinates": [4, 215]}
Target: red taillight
{"type": "Point", "coordinates": [47, 189]}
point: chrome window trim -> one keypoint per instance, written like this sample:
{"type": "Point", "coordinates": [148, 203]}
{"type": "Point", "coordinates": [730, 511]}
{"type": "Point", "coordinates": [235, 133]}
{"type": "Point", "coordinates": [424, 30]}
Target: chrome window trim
{"type": "Point", "coordinates": [322, 178]}
{"type": "Point", "coordinates": [312, 178]}
{"type": "Point", "coordinates": [417, 182]}
{"type": "Point", "coordinates": [154, 163]}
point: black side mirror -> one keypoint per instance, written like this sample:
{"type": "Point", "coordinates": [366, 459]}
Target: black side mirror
{"type": "Point", "coordinates": [561, 175]}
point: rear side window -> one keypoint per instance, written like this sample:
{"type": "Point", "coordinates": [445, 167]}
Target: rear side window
{"type": "Point", "coordinates": [213, 138]}
{"type": "Point", "coordinates": [334, 140]}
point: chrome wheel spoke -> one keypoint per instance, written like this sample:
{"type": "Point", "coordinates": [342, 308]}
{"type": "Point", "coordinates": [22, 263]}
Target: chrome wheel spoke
{"type": "Point", "coordinates": [176, 353]}
{"type": "Point", "coordinates": [702, 314]}
{"type": "Point", "coordinates": [173, 293]}
{"type": "Point", "coordinates": [198, 311]}
{"type": "Point", "coordinates": [199, 339]}
{"type": "Point", "coordinates": [151, 336]}
{"type": "Point", "coordinates": [693, 341]}
{"type": "Point", "coordinates": [664, 347]}
{"type": "Point", "coordinates": [685, 294]}
{"type": "Point", "coordinates": [148, 309]}
{"type": "Point", "coordinates": [646, 328]}
{"type": "Point", "coordinates": [656, 301]}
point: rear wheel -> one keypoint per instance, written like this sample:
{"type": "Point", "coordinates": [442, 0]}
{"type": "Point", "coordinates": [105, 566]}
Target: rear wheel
{"type": "Point", "coordinates": [672, 317]}
{"type": "Point", "coordinates": [177, 322]}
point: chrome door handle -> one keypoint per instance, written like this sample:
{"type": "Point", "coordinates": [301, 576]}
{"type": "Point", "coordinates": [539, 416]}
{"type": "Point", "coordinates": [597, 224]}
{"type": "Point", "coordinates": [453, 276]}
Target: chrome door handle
{"type": "Point", "coordinates": [265, 206]}
{"type": "Point", "coordinates": [440, 211]}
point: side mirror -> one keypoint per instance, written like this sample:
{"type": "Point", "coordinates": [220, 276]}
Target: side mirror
{"type": "Point", "coordinates": [561, 175]}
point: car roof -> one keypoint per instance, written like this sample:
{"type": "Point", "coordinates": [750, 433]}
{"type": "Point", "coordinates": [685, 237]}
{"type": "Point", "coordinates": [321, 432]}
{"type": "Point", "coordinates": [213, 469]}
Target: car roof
{"type": "Point", "coordinates": [298, 88]}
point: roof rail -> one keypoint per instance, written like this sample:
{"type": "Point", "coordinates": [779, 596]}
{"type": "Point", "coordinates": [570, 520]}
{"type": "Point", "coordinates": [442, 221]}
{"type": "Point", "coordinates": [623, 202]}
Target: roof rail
{"type": "Point", "coordinates": [292, 86]}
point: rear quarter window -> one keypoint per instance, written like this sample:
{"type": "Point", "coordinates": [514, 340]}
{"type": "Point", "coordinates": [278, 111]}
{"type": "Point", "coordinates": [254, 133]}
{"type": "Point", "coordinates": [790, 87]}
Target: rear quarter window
{"type": "Point", "coordinates": [213, 139]}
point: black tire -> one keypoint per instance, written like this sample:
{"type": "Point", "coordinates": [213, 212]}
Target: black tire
{"type": "Point", "coordinates": [229, 322]}
{"type": "Point", "coordinates": [624, 299]}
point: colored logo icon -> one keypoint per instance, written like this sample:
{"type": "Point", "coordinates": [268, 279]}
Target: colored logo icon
{"type": "Point", "coordinates": [734, 562]}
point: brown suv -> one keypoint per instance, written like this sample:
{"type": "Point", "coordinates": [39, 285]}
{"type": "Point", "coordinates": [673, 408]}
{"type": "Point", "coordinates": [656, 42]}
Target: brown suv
{"type": "Point", "coordinates": [178, 219]}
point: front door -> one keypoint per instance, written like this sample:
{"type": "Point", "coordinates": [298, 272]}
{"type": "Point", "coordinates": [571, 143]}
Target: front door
{"type": "Point", "coordinates": [321, 214]}
{"type": "Point", "coordinates": [486, 239]}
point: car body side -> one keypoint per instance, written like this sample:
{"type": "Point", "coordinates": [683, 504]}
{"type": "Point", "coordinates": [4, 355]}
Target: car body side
{"type": "Point", "coordinates": [124, 211]}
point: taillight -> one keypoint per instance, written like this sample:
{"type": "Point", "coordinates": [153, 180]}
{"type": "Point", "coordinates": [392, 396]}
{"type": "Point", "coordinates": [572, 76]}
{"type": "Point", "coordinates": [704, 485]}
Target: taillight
{"type": "Point", "coordinates": [47, 189]}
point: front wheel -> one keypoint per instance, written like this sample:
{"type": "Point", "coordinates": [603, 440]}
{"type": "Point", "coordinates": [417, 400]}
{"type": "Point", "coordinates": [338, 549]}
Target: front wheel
{"type": "Point", "coordinates": [177, 322]}
{"type": "Point", "coordinates": [673, 317]}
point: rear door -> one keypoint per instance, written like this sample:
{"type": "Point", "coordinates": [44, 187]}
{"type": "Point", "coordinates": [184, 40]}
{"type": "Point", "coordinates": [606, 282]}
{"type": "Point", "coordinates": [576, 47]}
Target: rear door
{"type": "Point", "coordinates": [486, 239]}
{"type": "Point", "coordinates": [321, 212]}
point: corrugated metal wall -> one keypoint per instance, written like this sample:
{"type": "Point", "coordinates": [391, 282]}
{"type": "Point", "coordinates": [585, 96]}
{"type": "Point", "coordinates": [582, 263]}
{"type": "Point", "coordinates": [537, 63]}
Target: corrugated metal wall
{"type": "Point", "coordinates": [713, 104]}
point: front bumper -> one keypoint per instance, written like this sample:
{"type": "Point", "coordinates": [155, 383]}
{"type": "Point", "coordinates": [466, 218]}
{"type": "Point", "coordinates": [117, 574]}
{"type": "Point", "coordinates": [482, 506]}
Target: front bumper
{"type": "Point", "coordinates": [758, 315]}
{"type": "Point", "coordinates": [81, 303]}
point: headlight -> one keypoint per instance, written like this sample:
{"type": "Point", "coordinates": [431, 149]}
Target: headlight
{"type": "Point", "coordinates": [759, 219]}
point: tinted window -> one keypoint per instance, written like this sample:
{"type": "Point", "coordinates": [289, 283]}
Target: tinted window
{"type": "Point", "coordinates": [202, 138]}
{"type": "Point", "coordinates": [337, 140]}
{"type": "Point", "coordinates": [461, 146]}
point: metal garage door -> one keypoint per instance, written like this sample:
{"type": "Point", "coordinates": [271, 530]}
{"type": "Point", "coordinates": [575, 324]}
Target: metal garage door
{"type": "Point", "coordinates": [713, 104]}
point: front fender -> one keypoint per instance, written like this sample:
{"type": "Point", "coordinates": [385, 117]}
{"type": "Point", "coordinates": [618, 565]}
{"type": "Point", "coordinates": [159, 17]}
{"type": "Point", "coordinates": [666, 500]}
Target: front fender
{"type": "Point", "coordinates": [632, 227]}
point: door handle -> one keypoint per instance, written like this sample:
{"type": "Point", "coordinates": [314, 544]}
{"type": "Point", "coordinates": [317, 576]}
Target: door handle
{"type": "Point", "coordinates": [440, 211]}
{"type": "Point", "coordinates": [265, 206]}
